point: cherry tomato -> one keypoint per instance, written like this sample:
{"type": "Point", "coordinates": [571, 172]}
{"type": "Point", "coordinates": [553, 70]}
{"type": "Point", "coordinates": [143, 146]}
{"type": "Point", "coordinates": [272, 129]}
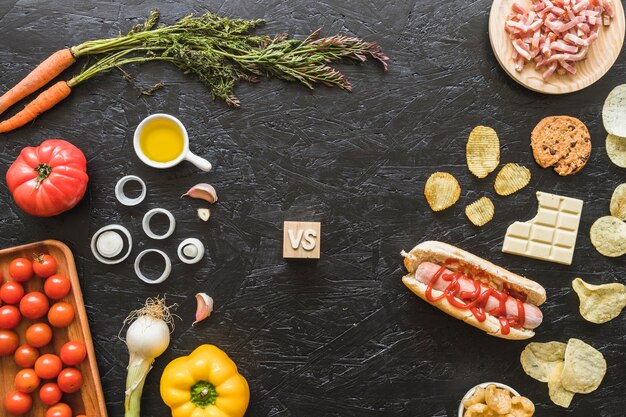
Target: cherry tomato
{"type": "Point", "coordinates": [9, 317]}
{"type": "Point", "coordinates": [57, 286]}
{"type": "Point", "coordinates": [38, 335]}
{"type": "Point", "coordinates": [26, 381]}
{"type": "Point", "coordinates": [44, 266]}
{"type": "Point", "coordinates": [48, 366]}
{"type": "Point", "coordinates": [70, 380]}
{"type": "Point", "coordinates": [11, 292]}
{"type": "Point", "coordinates": [59, 410]}
{"type": "Point", "coordinates": [21, 269]}
{"type": "Point", "coordinates": [8, 342]}
{"type": "Point", "coordinates": [18, 403]}
{"type": "Point", "coordinates": [72, 353]}
{"type": "Point", "coordinates": [25, 356]}
{"type": "Point", "coordinates": [34, 305]}
{"type": "Point", "coordinates": [50, 393]}
{"type": "Point", "coordinates": [61, 314]}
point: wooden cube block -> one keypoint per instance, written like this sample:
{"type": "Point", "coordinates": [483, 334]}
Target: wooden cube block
{"type": "Point", "coordinates": [302, 240]}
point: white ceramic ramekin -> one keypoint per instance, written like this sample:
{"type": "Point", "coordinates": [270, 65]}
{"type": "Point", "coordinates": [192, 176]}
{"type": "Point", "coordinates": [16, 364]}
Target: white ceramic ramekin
{"type": "Point", "coordinates": [484, 385]}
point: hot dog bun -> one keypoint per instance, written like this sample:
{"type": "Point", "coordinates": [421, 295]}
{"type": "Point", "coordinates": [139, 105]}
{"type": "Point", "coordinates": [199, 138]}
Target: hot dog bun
{"type": "Point", "coordinates": [476, 268]}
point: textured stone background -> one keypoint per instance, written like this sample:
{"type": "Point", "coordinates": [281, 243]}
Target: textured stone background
{"type": "Point", "coordinates": [340, 337]}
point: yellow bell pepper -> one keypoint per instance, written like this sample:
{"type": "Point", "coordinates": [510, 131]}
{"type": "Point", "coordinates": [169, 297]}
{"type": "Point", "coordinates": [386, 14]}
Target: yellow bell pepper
{"type": "Point", "coordinates": [204, 384]}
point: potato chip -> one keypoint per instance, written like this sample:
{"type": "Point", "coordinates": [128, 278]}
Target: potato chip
{"type": "Point", "coordinates": [608, 235]}
{"type": "Point", "coordinates": [511, 178]}
{"type": "Point", "coordinates": [618, 202]}
{"type": "Point", "coordinates": [498, 399]}
{"type": "Point", "coordinates": [442, 190]}
{"type": "Point", "coordinates": [600, 303]}
{"type": "Point", "coordinates": [539, 359]}
{"type": "Point", "coordinates": [482, 151]}
{"type": "Point", "coordinates": [558, 394]}
{"type": "Point", "coordinates": [614, 111]}
{"type": "Point", "coordinates": [616, 150]}
{"type": "Point", "coordinates": [584, 367]}
{"type": "Point", "coordinates": [480, 212]}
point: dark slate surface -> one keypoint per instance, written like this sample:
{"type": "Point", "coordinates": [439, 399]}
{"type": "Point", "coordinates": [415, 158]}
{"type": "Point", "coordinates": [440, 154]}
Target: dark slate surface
{"type": "Point", "coordinates": [340, 337]}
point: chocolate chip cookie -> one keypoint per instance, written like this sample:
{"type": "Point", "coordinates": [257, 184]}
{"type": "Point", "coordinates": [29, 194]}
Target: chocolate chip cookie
{"type": "Point", "coordinates": [562, 142]}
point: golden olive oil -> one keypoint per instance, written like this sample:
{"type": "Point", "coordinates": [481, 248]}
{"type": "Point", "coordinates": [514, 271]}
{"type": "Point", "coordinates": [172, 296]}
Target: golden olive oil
{"type": "Point", "coordinates": [161, 140]}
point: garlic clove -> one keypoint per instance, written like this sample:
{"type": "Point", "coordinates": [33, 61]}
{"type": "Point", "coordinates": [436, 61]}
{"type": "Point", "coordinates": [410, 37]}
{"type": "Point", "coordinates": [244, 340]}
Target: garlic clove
{"type": "Point", "coordinates": [203, 191]}
{"type": "Point", "coordinates": [204, 213]}
{"type": "Point", "coordinates": [205, 307]}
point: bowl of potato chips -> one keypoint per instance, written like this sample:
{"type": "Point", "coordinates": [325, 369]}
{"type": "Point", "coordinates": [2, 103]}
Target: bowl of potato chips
{"type": "Point", "coordinates": [491, 399]}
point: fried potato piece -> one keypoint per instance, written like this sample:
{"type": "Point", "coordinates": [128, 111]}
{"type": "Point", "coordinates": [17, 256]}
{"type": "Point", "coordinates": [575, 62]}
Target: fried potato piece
{"type": "Point", "coordinates": [616, 150]}
{"type": "Point", "coordinates": [442, 190]}
{"type": "Point", "coordinates": [482, 151]}
{"type": "Point", "coordinates": [600, 303]}
{"type": "Point", "coordinates": [480, 212]}
{"type": "Point", "coordinates": [558, 394]}
{"type": "Point", "coordinates": [618, 202]}
{"type": "Point", "coordinates": [521, 407]}
{"type": "Point", "coordinates": [584, 367]}
{"type": "Point", "coordinates": [498, 399]}
{"type": "Point", "coordinates": [608, 236]}
{"type": "Point", "coordinates": [539, 359]}
{"type": "Point", "coordinates": [511, 178]}
{"type": "Point", "coordinates": [478, 410]}
{"type": "Point", "coordinates": [614, 111]}
{"type": "Point", "coordinates": [477, 397]}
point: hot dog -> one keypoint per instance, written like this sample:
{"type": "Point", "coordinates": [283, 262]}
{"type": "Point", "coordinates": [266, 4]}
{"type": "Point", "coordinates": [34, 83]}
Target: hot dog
{"type": "Point", "coordinates": [474, 290]}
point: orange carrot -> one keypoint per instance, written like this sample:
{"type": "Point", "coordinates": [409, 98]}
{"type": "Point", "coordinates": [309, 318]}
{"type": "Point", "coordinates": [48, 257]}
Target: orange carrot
{"type": "Point", "coordinates": [40, 76]}
{"type": "Point", "coordinates": [44, 101]}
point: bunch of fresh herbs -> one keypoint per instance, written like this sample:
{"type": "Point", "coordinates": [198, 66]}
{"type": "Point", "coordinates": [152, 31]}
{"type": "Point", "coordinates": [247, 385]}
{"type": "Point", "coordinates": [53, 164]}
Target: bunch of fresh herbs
{"type": "Point", "coordinates": [220, 51]}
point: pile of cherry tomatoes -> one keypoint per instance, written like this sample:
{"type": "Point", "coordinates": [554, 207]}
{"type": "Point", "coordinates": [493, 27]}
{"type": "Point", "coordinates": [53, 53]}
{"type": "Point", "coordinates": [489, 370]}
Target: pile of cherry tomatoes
{"type": "Point", "coordinates": [56, 372]}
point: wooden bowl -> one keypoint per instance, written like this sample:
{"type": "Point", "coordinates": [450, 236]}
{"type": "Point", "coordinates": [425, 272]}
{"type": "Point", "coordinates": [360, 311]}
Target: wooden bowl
{"type": "Point", "coordinates": [89, 399]}
{"type": "Point", "coordinates": [601, 57]}
{"type": "Point", "coordinates": [484, 385]}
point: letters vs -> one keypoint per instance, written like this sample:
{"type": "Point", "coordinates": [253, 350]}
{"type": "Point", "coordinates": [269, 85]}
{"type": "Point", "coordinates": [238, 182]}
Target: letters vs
{"type": "Point", "coordinates": [302, 240]}
{"type": "Point", "coordinates": [296, 239]}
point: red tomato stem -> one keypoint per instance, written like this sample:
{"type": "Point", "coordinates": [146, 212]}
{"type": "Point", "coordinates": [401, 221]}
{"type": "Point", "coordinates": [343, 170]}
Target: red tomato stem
{"type": "Point", "coordinates": [43, 172]}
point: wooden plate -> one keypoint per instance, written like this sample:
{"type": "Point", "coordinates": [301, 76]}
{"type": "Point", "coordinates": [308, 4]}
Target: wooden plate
{"type": "Point", "coordinates": [89, 400]}
{"type": "Point", "coordinates": [601, 57]}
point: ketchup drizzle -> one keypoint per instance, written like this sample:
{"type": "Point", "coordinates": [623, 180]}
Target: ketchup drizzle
{"type": "Point", "coordinates": [475, 300]}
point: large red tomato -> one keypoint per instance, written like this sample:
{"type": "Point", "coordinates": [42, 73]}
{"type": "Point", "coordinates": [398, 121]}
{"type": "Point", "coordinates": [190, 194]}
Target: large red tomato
{"type": "Point", "coordinates": [49, 179]}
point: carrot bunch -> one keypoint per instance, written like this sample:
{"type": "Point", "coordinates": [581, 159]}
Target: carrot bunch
{"type": "Point", "coordinates": [49, 69]}
{"type": "Point", "coordinates": [219, 50]}
{"type": "Point", "coordinates": [40, 76]}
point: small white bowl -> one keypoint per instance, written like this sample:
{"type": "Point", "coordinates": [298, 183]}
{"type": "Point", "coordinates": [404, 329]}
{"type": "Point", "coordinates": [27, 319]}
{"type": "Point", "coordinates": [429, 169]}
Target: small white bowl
{"type": "Point", "coordinates": [484, 385]}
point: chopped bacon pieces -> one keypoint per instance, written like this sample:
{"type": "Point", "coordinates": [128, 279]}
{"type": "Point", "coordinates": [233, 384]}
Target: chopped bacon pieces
{"type": "Point", "coordinates": [555, 34]}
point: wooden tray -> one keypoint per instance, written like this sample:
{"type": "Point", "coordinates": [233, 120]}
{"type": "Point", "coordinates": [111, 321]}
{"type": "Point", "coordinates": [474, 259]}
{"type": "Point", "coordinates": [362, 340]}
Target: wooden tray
{"type": "Point", "coordinates": [89, 400]}
{"type": "Point", "coordinates": [601, 57]}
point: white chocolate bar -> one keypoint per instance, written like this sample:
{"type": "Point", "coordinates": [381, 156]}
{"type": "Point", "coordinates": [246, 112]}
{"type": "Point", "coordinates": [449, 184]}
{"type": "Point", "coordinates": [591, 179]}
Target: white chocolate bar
{"type": "Point", "coordinates": [551, 234]}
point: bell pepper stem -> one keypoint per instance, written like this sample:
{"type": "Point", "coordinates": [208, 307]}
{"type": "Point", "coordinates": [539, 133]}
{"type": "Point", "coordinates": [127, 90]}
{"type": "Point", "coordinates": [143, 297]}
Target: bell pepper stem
{"type": "Point", "coordinates": [138, 368]}
{"type": "Point", "coordinates": [203, 394]}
